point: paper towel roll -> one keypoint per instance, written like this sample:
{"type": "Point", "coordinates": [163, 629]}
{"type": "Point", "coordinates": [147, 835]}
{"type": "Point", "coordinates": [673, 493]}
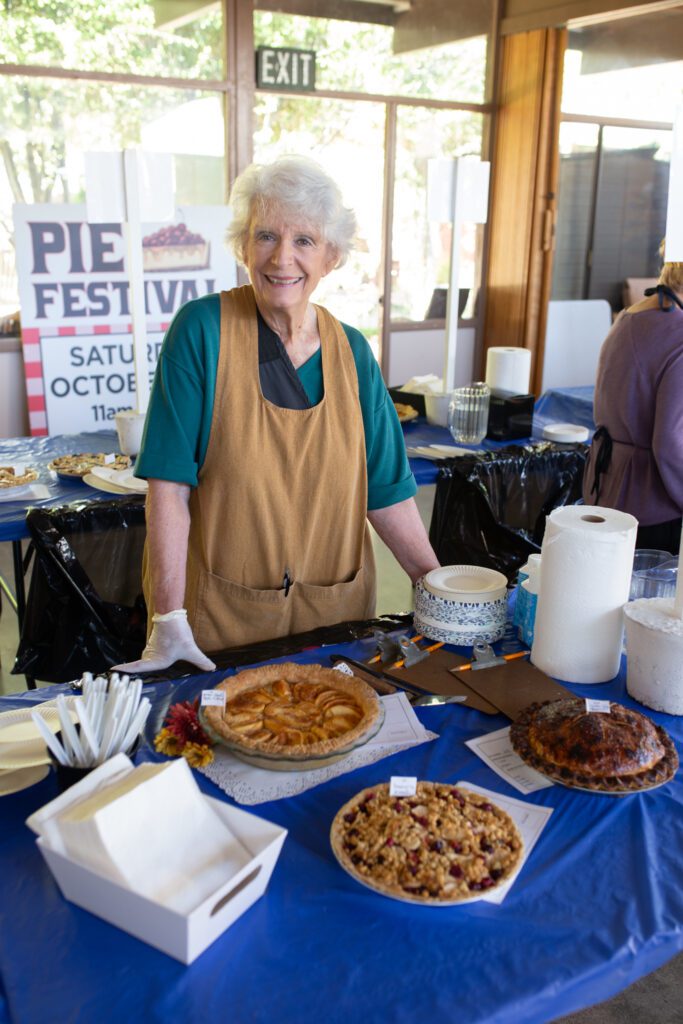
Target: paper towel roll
{"type": "Point", "coordinates": [586, 562]}
{"type": "Point", "coordinates": [508, 369]}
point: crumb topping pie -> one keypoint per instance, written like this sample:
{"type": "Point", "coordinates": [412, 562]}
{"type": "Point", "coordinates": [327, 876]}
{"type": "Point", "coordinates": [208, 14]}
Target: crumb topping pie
{"type": "Point", "coordinates": [79, 465]}
{"type": "Point", "coordinates": [620, 752]}
{"type": "Point", "coordinates": [10, 478]}
{"type": "Point", "coordinates": [444, 845]}
{"type": "Point", "coordinates": [293, 710]}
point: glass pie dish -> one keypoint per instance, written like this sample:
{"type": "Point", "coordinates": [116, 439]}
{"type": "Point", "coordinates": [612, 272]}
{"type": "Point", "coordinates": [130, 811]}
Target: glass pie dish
{"type": "Point", "coordinates": [280, 761]}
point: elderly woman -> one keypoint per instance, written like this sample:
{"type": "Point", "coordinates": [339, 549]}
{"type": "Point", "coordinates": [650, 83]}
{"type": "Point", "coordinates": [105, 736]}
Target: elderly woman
{"type": "Point", "coordinates": [270, 442]}
{"type": "Point", "coordinates": [636, 459]}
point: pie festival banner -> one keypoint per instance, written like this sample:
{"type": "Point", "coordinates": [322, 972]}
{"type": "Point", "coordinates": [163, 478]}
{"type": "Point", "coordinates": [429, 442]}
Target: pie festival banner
{"type": "Point", "coordinates": [74, 292]}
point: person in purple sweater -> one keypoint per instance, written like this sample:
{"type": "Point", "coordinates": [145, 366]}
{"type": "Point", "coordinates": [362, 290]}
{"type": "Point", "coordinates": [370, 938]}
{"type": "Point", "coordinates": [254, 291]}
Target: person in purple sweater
{"type": "Point", "coordinates": [635, 463]}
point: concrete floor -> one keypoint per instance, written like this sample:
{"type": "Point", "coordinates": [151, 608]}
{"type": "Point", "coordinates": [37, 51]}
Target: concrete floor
{"type": "Point", "coordinates": [656, 999]}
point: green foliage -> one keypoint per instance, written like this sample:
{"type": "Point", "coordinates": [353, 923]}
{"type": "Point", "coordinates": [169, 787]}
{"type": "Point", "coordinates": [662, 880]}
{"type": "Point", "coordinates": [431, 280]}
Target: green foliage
{"type": "Point", "coordinates": [41, 117]}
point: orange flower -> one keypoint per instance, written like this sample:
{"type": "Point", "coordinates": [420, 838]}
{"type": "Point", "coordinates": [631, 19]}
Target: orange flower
{"type": "Point", "coordinates": [197, 754]}
{"type": "Point", "coordinates": [166, 742]}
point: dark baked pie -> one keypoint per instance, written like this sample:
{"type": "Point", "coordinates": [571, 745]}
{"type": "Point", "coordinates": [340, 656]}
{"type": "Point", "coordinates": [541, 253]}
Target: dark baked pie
{"type": "Point", "coordinates": [293, 710]}
{"type": "Point", "coordinates": [620, 752]}
{"type": "Point", "coordinates": [79, 465]}
{"type": "Point", "coordinates": [443, 845]}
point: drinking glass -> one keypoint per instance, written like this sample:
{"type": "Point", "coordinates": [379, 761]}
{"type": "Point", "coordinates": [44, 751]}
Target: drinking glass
{"type": "Point", "coordinates": [468, 413]}
{"type": "Point", "coordinates": [645, 561]}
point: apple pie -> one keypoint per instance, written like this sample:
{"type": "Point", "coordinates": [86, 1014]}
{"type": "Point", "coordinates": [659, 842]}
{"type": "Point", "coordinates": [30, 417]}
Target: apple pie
{"type": "Point", "coordinates": [10, 478]}
{"type": "Point", "coordinates": [293, 711]}
{"type": "Point", "coordinates": [444, 845]}
{"type": "Point", "coordinates": [620, 752]}
{"type": "Point", "coordinates": [79, 465]}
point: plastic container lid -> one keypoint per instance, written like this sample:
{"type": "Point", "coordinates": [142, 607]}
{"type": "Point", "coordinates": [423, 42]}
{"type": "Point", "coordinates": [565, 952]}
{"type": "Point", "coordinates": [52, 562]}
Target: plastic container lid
{"type": "Point", "coordinates": [565, 433]}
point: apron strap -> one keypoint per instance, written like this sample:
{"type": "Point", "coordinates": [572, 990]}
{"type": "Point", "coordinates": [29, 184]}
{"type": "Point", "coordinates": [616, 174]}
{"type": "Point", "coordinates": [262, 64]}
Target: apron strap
{"type": "Point", "coordinates": [602, 459]}
{"type": "Point", "coordinates": [661, 290]}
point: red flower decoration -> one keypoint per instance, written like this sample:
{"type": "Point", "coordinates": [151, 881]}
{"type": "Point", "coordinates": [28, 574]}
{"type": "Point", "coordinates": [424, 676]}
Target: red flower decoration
{"type": "Point", "coordinates": [182, 721]}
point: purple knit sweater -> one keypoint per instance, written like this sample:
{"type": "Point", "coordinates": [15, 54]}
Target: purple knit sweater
{"type": "Point", "coordinates": [639, 398]}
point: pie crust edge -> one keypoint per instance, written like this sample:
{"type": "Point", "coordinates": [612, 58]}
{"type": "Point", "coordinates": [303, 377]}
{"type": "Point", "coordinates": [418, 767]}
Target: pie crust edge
{"type": "Point", "coordinates": [254, 678]}
{"type": "Point", "coordinates": [338, 832]}
{"type": "Point", "coordinates": [657, 775]}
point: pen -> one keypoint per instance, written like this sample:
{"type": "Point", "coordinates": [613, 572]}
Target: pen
{"type": "Point", "coordinates": [427, 650]}
{"type": "Point", "coordinates": [413, 640]}
{"type": "Point", "coordinates": [506, 657]}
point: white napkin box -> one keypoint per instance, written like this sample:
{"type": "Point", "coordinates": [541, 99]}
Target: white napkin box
{"type": "Point", "coordinates": [182, 936]}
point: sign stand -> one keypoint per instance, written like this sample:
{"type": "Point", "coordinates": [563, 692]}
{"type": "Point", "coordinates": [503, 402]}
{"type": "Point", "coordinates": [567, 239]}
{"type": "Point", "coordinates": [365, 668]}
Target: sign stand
{"type": "Point", "coordinates": [132, 233]}
{"type": "Point", "coordinates": [459, 194]}
{"type": "Point", "coordinates": [674, 213]}
{"type": "Point", "coordinates": [132, 187]}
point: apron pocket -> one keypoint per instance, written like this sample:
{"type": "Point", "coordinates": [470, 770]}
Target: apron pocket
{"type": "Point", "coordinates": [230, 615]}
{"type": "Point", "coordinates": [341, 602]}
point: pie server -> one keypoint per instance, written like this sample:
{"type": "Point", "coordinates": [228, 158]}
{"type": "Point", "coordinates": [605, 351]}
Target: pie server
{"type": "Point", "coordinates": [376, 673]}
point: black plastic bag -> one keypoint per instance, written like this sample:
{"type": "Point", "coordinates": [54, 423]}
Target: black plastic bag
{"type": "Point", "coordinates": [490, 507]}
{"type": "Point", "coordinates": [85, 610]}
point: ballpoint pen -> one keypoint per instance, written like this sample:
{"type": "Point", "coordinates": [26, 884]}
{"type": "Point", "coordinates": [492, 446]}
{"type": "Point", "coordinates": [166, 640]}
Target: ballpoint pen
{"type": "Point", "coordinates": [413, 640]}
{"type": "Point", "coordinates": [427, 650]}
{"type": "Point", "coordinates": [505, 657]}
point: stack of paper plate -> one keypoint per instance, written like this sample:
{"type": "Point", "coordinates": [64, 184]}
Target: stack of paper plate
{"type": "Point", "coordinates": [461, 604]}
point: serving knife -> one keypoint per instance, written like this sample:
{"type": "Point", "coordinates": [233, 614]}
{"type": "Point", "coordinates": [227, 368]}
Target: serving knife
{"type": "Point", "coordinates": [335, 658]}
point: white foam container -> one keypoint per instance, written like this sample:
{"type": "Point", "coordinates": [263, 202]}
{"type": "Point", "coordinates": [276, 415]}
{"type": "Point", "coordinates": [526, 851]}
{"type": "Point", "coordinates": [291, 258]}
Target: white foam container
{"type": "Point", "coordinates": [182, 936]}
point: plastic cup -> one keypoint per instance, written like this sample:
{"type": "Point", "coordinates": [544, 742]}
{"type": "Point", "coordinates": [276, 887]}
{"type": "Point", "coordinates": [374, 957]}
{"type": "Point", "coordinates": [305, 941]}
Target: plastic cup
{"type": "Point", "coordinates": [468, 413]}
{"type": "Point", "coordinates": [654, 574]}
{"type": "Point", "coordinates": [129, 427]}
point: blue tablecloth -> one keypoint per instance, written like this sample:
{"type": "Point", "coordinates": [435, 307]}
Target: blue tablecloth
{"type": "Point", "coordinates": [559, 405]}
{"type": "Point", "coordinates": [418, 433]}
{"type": "Point", "coordinates": [37, 452]}
{"type": "Point", "coordinates": [565, 405]}
{"type": "Point", "coordinates": [598, 904]}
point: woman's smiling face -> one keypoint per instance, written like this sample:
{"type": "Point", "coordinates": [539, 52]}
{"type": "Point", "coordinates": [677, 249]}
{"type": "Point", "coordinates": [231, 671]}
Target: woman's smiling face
{"type": "Point", "coordinates": [286, 258]}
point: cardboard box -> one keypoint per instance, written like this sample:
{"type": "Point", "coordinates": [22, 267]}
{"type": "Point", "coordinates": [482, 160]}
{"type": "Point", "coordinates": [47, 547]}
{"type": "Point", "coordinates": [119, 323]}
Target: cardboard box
{"type": "Point", "coordinates": [183, 936]}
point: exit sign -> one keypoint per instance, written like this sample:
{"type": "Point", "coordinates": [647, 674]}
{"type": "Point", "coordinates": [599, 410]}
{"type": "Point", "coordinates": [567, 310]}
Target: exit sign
{"type": "Point", "coordinates": [284, 68]}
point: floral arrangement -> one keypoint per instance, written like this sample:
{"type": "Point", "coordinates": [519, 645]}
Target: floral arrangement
{"type": "Point", "coordinates": [183, 736]}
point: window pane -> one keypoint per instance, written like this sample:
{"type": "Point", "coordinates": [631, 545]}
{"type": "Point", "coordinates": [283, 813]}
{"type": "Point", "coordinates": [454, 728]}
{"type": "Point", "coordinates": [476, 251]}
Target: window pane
{"type": "Point", "coordinates": [631, 67]}
{"type": "Point", "coordinates": [630, 216]}
{"type": "Point", "coordinates": [133, 36]}
{"type": "Point", "coordinates": [354, 56]}
{"type": "Point", "coordinates": [421, 247]}
{"type": "Point", "coordinates": [578, 164]}
{"type": "Point", "coordinates": [347, 139]}
{"type": "Point", "coordinates": [48, 126]}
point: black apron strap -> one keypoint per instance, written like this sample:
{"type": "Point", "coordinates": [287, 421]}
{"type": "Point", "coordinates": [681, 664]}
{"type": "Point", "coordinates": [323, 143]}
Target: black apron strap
{"type": "Point", "coordinates": [602, 459]}
{"type": "Point", "coordinates": [661, 290]}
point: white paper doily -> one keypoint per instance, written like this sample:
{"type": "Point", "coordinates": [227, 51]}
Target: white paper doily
{"type": "Point", "coordinates": [249, 785]}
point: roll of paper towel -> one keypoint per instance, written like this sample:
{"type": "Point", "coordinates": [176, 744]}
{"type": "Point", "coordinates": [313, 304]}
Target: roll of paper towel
{"type": "Point", "coordinates": [508, 369]}
{"type": "Point", "coordinates": [586, 563]}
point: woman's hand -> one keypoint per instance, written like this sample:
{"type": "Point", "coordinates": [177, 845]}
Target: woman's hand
{"type": "Point", "coordinates": [171, 640]}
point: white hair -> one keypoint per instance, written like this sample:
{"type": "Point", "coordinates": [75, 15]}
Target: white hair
{"type": "Point", "coordinates": [300, 188]}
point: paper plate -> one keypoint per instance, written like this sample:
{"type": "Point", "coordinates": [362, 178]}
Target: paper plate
{"type": "Point", "coordinates": [465, 582]}
{"type": "Point", "coordinates": [104, 485]}
{"type": "Point", "coordinates": [126, 479]}
{"type": "Point", "coordinates": [21, 745]}
{"type": "Point", "coordinates": [119, 480]}
{"type": "Point", "coordinates": [18, 779]}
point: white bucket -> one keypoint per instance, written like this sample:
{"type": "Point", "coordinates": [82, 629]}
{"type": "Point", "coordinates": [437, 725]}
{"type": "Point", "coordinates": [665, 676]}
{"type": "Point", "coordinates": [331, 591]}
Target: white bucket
{"type": "Point", "coordinates": [654, 654]}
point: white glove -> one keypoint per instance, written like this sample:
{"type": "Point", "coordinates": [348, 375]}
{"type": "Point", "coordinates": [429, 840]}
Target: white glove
{"type": "Point", "coordinates": [171, 640]}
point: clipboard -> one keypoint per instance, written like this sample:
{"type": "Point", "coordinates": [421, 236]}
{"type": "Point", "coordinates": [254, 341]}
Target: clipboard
{"type": "Point", "coordinates": [434, 675]}
{"type": "Point", "coordinates": [513, 686]}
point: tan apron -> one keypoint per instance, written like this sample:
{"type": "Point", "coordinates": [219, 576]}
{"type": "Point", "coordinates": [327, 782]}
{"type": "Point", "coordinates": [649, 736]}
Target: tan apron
{"type": "Point", "coordinates": [279, 541]}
